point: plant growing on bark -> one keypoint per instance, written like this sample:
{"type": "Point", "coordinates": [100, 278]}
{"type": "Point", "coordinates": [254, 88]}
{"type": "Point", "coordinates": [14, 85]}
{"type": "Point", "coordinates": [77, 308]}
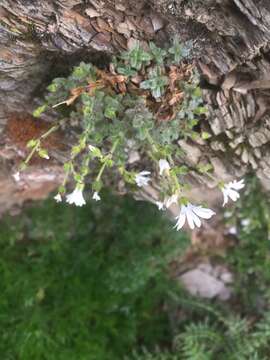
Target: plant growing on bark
{"type": "Point", "coordinates": [146, 100]}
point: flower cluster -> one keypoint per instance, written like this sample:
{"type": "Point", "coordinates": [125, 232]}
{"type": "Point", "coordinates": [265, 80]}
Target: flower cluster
{"type": "Point", "coordinates": [192, 213]}
{"type": "Point", "coordinates": [189, 213]}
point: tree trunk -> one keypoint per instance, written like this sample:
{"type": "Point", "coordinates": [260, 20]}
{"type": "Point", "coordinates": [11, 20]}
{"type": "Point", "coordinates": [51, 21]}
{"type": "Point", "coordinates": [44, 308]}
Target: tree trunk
{"type": "Point", "coordinates": [42, 39]}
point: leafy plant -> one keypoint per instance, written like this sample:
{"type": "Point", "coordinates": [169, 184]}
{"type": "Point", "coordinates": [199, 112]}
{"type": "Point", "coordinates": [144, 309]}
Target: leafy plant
{"type": "Point", "coordinates": [84, 283]}
{"type": "Point", "coordinates": [149, 98]}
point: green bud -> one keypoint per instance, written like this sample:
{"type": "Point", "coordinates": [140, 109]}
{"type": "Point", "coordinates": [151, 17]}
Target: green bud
{"type": "Point", "coordinates": [43, 153]}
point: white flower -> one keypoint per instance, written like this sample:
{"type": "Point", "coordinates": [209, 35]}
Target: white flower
{"type": "Point", "coordinates": [17, 176]}
{"type": "Point", "coordinates": [76, 197]}
{"type": "Point", "coordinates": [91, 147]}
{"type": "Point", "coordinates": [160, 205]}
{"type": "Point", "coordinates": [96, 196]}
{"type": "Point", "coordinates": [142, 178]}
{"type": "Point", "coordinates": [192, 214]}
{"type": "Point", "coordinates": [163, 166]}
{"type": "Point", "coordinates": [58, 198]}
{"type": "Point", "coordinates": [171, 200]}
{"type": "Point", "coordinates": [232, 230]}
{"type": "Point", "coordinates": [245, 222]}
{"type": "Point", "coordinates": [230, 190]}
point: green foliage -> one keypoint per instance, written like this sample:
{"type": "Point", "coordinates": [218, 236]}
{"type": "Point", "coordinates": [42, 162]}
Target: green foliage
{"type": "Point", "coordinates": [156, 83]}
{"type": "Point", "coordinates": [148, 97]}
{"type": "Point", "coordinates": [240, 329]}
{"type": "Point", "coordinates": [84, 283]}
{"type": "Point", "coordinates": [137, 56]}
{"type": "Point", "coordinates": [221, 335]}
{"type": "Point", "coordinates": [250, 257]}
{"type": "Point", "coordinates": [179, 51]}
{"type": "Point", "coordinates": [157, 355]}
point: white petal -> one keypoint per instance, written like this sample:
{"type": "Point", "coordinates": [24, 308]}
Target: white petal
{"type": "Point", "coordinates": [233, 194]}
{"type": "Point", "coordinates": [76, 197]}
{"type": "Point", "coordinates": [145, 172]}
{"type": "Point", "coordinates": [245, 222]}
{"type": "Point", "coordinates": [226, 197]}
{"type": "Point", "coordinates": [181, 219]}
{"type": "Point", "coordinates": [91, 147]}
{"type": "Point", "coordinates": [231, 189]}
{"type": "Point", "coordinates": [163, 166]}
{"type": "Point", "coordinates": [203, 213]}
{"type": "Point", "coordinates": [17, 176]}
{"type": "Point", "coordinates": [189, 215]}
{"type": "Point", "coordinates": [58, 198]}
{"type": "Point", "coordinates": [96, 196]}
{"type": "Point", "coordinates": [171, 200]}
{"type": "Point", "coordinates": [160, 205]}
{"type": "Point", "coordinates": [237, 185]}
{"type": "Point", "coordinates": [142, 178]}
{"type": "Point", "coordinates": [196, 220]}
{"type": "Point", "coordinates": [232, 230]}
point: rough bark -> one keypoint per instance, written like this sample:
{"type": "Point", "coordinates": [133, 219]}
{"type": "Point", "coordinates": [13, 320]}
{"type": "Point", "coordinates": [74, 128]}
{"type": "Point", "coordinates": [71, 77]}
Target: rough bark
{"type": "Point", "coordinates": [42, 39]}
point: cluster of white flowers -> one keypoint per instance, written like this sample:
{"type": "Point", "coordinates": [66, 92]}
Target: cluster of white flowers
{"type": "Point", "coordinates": [192, 214]}
{"type": "Point", "coordinates": [76, 197]}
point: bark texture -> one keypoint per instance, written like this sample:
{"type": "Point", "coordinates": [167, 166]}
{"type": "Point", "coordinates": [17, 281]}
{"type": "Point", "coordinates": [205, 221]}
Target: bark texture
{"type": "Point", "coordinates": [42, 39]}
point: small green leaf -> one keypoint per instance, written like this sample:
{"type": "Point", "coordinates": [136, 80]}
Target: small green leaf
{"type": "Point", "coordinates": [97, 185]}
{"type": "Point", "coordinates": [67, 166]}
{"type": "Point", "coordinates": [43, 154]}
{"type": "Point", "coordinates": [31, 143]}
{"type": "Point", "coordinates": [75, 150]}
{"type": "Point", "coordinates": [39, 110]}
{"type": "Point", "coordinates": [205, 135]}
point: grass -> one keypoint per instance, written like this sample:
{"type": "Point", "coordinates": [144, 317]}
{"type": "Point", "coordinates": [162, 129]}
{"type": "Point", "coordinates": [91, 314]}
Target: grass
{"type": "Point", "coordinates": [87, 283]}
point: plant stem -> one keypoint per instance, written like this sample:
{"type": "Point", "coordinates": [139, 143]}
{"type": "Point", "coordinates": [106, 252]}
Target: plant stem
{"type": "Point", "coordinates": [107, 157]}
{"type": "Point", "coordinates": [32, 153]}
{"type": "Point", "coordinates": [51, 130]}
{"type": "Point", "coordinates": [151, 142]}
{"type": "Point", "coordinates": [42, 137]}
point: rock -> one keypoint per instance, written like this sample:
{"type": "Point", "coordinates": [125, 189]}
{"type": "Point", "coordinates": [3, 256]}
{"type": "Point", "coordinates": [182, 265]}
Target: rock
{"type": "Point", "coordinates": [204, 285]}
{"type": "Point", "coordinates": [133, 157]}
{"type": "Point", "coordinates": [194, 153]}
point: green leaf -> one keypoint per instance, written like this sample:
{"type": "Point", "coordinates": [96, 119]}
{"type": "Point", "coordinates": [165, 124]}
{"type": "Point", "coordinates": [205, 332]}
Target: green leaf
{"type": "Point", "coordinates": [97, 185]}
{"type": "Point", "coordinates": [137, 56]}
{"type": "Point", "coordinates": [75, 150]}
{"type": "Point", "coordinates": [156, 82]}
{"type": "Point", "coordinates": [181, 170]}
{"type": "Point", "coordinates": [43, 154]}
{"type": "Point", "coordinates": [95, 152]}
{"type": "Point", "coordinates": [205, 135]}
{"type": "Point", "coordinates": [39, 110]}
{"type": "Point", "coordinates": [158, 53]}
{"type": "Point", "coordinates": [31, 143]}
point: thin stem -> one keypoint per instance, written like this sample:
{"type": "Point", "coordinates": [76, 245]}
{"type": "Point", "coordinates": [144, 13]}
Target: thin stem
{"type": "Point", "coordinates": [32, 153]}
{"type": "Point", "coordinates": [109, 156]}
{"type": "Point", "coordinates": [36, 147]}
{"type": "Point", "coordinates": [51, 130]}
{"type": "Point", "coordinates": [151, 142]}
